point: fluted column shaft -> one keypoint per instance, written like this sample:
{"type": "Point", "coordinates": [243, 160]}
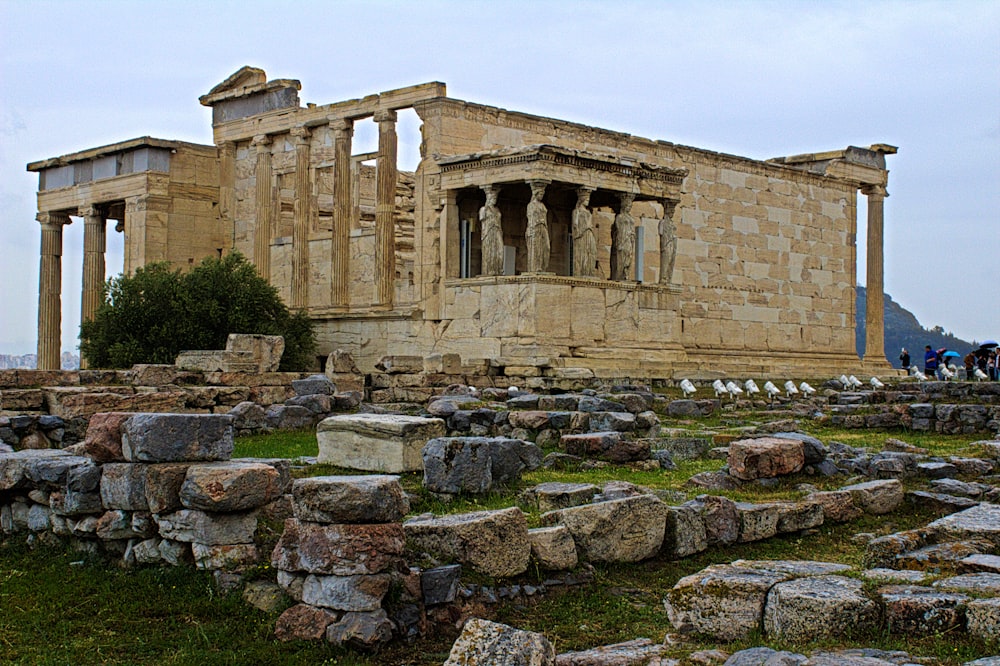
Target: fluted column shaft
{"type": "Point", "coordinates": [874, 302]}
{"type": "Point", "coordinates": [50, 290]}
{"type": "Point", "coordinates": [302, 216]}
{"type": "Point", "coordinates": [94, 244]}
{"type": "Point", "coordinates": [227, 191]}
{"type": "Point", "coordinates": [340, 265]}
{"type": "Point", "coordinates": [385, 210]}
{"type": "Point", "coordinates": [262, 228]}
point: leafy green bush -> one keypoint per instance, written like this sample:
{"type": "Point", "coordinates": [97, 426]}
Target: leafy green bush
{"type": "Point", "coordinates": [155, 314]}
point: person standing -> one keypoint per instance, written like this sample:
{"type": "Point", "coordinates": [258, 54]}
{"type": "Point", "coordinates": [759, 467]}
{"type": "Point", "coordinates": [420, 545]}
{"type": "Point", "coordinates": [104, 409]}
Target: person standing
{"type": "Point", "coordinates": [904, 359]}
{"type": "Point", "coordinates": [930, 361]}
{"type": "Point", "coordinates": [970, 366]}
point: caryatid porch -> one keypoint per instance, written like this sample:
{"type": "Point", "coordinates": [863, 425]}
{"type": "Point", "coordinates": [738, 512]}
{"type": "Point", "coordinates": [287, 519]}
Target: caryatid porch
{"type": "Point", "coordinates": [531, 211]}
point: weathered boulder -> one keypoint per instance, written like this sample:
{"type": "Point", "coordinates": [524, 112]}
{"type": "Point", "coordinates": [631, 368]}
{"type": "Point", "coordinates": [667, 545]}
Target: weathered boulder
{"type": "Point", "coordinates": [346, 593]}
{"type": "Point", "coordinates": [350, 499]}
{"type": "Point", "coordinates": [123, 486]}
{"type": "Point", "coordinates": [363, 630]}
{"type": "Point", "coordinates": [877, 497]}
{"type": "Point", "coordinates": [103, 441]}
{"type": "Point", "coordinates": [765, 457]}
{"type": "Point", "coordinates": [485, 643]}
{"type": "Point", "coordinates": [980, 583]}
{"type": "Point", "coordinates": [476, 464]}
{"type": "Point", "coordinates": [440, 585]}
{"type": "Point", "coordinates": [163, 486]}
{"type": "Point", "coordinates": [813, 607]}
{"type": "Point", "coordinates": [638, 652]}
{"type": "Point", "coordinates": [553, 495]}
{"type": "Point", "coordinates": [983, 618]}
{"type": "Point", "coordinates": [177, 437]}
{"type": "Point", "coordinates": [189, 525]}
{"type": "Point", "coordinates": [314, 385]}
{"type": "Point", "coordinates": [225, 557]}
{"type": "Point", "coordinates": [304, 622]}
{"type": "Point", "coordinates": [611, 446]}
{"type": "Point", "coordinates": [229, 486]}
{"type": "Point", "coordinates": [721, 518]}
{"type": "Point", "coordinates": [553, 547]}
{"type": "Point", "coordinates": [979, 522]}
{"type": "Point", "coordinates": [624, 530]}
{"type": "Point", "coordinates": [494, 543]}
{"type": "Point", "coordinates": [798, 516]}
{"type": "Point", "coordinates": [14, 465]}
{"type": "Point", "coordinates": [813, 450]}
{"type": "Point", "coordinates": [619, 421]}
{"type": "Point", "coordinates": [376, 442]}
{"type": "Point", "coordinates": [838, 505]}
{"type": "Point", "coordinates": [758, 521]}
{"type": "Point", "coordinates": [764, 656]}
{"type": "Point", "coordinates": [724, 600]}
{"type": "Point", "coordinates": [921, 611]}
{"type": "Point", "coordinates": [342, 550]}
{"type": "Point", "coordinates": [684, 531]}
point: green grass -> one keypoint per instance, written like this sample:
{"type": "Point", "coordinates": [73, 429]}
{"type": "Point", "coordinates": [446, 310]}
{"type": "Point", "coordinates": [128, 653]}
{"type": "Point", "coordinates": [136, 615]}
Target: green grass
{"type": "Point", "coordinates": [277, 445]}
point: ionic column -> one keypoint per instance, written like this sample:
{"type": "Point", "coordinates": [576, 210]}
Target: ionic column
{"type": "Point", "coordinates": [385, 209]}
{"type": "Point", "coordinates": [94, 244]}
{"type": "Point", "coordinates": [50, 290]}
{"type": "Point", "coordinates": [302, 213]}
{"type": "Point", "coordinates": [343, 132]}
{"type": "Point", "coordinates": [262, 228]}
{"type": "Point", "coordinates": [227, 191]}
{"type": "Point", "coordinates": [874, 302]}
{"type": "Point", "coordinates": [539, 245]}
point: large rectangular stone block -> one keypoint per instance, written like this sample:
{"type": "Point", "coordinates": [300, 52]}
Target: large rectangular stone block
{"type": "Point", "coordinates": [376, 442]}
{"type": "Point", "coordinates": [178, 437]}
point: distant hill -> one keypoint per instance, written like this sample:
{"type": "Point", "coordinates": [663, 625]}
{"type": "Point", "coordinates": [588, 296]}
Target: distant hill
{"type": "Point", "coordinates": [903, 330]}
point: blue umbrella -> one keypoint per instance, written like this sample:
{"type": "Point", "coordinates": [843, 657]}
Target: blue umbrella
{"type": "Point", "coordinates": [951, 353]}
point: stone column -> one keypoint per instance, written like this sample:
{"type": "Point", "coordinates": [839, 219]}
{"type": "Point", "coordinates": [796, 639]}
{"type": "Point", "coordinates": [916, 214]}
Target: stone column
{"type": "Point", "coordinates": [539, 245]}
{"type": "Point", "coordinates": [94, 245]}
{"type": "Point", "coordinates": [874, 304]}
{"type": "Point", "coordinates": [227, 190]}
{"type": "Point", "coordinates": [343, 207]}
{"type": "Point", "coordinates": [491, 228]}
{"type": "Point", "coordinates": [385, 210]}
{"type": "Point", "coordinates": [668, 242]}
{"type": "Point", "coordinates": [302, 213]}
{"type": "Point", "coordinates": [50, 290]}
{"type": "Point", "coordinates": [623, 240]}
{"type": "Point", "coordinates": [262, 217]}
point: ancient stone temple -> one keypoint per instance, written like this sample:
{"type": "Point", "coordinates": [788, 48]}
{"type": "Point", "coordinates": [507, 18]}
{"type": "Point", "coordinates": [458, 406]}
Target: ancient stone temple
{"type": "Point", "coordinates": [543, 246]}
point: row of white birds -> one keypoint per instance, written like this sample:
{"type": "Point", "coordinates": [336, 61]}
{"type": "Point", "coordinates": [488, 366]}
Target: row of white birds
{"type": "Point", "coordinates": [949, 371]}
{"type": "Point", "coordinates": [732, 389]}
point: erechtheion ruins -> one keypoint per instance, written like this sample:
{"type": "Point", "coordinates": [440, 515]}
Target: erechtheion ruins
{"type": "Point", "coordinates": [547, 247]}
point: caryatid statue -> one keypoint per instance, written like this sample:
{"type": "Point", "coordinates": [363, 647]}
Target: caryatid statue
{"type": "Point", "coordinates": [538, 229]}
{"type": "Point", "coordinates": [668, 243]}
{"type": "Point", "coordinates": [492, 232]}
{"type": "Point", "coordinates": [584, 239]}
{"type": "Point", "coordinates": [624, 240]}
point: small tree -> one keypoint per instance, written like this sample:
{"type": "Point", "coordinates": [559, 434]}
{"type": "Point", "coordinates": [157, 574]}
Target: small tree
{"type": "Point", "coordinates": [157, 313]}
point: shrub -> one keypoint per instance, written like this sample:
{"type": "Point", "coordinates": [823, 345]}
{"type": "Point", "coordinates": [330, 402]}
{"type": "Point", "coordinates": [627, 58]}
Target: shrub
{"type": "Point", "coordinates": [155, 314]}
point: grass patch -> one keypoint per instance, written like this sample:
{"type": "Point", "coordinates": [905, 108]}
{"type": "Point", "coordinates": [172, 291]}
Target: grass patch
{"type": "Point", "coordinates": [286, 444]}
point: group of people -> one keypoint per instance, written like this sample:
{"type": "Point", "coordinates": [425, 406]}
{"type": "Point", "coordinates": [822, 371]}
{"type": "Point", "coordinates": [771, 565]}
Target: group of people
{"type": "Point", "coordinates": [985, 359]}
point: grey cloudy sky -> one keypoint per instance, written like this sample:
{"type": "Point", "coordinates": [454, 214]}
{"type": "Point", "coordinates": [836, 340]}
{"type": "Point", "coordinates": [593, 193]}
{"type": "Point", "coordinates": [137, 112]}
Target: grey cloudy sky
{"type": "Point", "coordinates": [758, 79]}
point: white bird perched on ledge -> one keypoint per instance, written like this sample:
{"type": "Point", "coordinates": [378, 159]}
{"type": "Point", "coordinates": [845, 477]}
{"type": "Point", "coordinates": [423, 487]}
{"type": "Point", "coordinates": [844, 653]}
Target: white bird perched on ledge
{"type": "Point", "coordinates": [751, 387]}
{"type": "Point", "coordinates": [980, 375]}
{"type": "Point", "coordinates": [805, 388]}
{"type": "Point", "coordinates": [733, 389]}
{"type": "Point", "coordinates": [771, 389]}
{"type": "Point", "coordinates": [876, 383]}
{"type": "Point", "coordinates": [845, 381]}
{"type": "Point", "coordinates": [720, 388]}
{"type": "Point", "coordinates": [921, 377]}
{"type": "Point", "coordinates": [790, 389]}
{"type": "Point", "coordinates": [946, 373]}
{"type": "Point", "coordinates": [687, 387]}
{"type": "Point", "coordinates": [854, 382]}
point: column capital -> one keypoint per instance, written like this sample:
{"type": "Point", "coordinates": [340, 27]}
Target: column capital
{"type": "Point", "coordinates": [261, 140]}
{"type": "Point", "coordinates": [52, 219]}
{"type": "Point", "coordinates": [90, 211]}
{"type": "Point", "coordinates": [227, 147]}
{"type": "Point", "coordinates": [874, 191]}
{"type": "Point", "coordinates": [385, 116]}
{"type": "Point", "coordinates": [585, 188]}
{"type": "Point", "coordinates": [626, 199]}
{"type": "Point", "coordinates": [300, 134]}
{"type": "Point", "coordinates": [345, 125]}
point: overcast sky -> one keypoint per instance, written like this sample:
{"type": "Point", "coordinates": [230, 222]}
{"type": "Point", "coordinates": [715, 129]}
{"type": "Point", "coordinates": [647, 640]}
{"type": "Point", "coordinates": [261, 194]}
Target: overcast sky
{"type": "Point", "coordinates": [758, 79]}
